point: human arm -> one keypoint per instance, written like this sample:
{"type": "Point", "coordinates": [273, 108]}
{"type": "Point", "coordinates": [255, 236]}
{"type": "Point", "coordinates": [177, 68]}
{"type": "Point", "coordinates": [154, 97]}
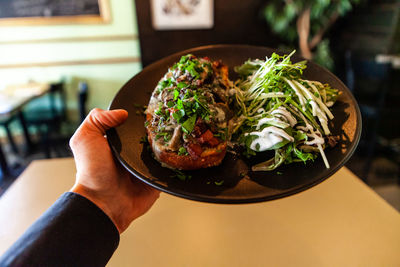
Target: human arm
{"type": "Point", "coordinates": [82, 228]}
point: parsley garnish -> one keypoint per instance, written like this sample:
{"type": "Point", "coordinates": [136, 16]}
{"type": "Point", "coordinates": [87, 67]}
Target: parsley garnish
{"type": "Point", "coordinates": [182, 151]}
{"type": "Point", "coordinates": [188, 125]}
{"type": "Point", "coordinates": [219, 183]}
{"type": "Point", "coordinates": [181, 175]}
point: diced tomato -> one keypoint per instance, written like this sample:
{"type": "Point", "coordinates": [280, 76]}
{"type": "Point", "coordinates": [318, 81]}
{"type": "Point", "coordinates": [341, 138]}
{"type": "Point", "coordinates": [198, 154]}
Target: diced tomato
{"type": "Point", "coordinates": [208, 138]}
{"type": "Point", "coordinates": [205, 137]}
{"type": "Point", "coordinates": [213, 142]}
{"type": "Point", "coordinates": [194, 150]}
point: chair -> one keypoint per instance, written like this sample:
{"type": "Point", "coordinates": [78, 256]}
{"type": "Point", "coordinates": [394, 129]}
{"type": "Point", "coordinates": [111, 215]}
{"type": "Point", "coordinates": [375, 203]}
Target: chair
{"type": "Point", "coordinates": [82, 96]}
{"type": "Point", "coordinates": [45, 116]}
{"type": "Point", "coordinates": [369, 82]}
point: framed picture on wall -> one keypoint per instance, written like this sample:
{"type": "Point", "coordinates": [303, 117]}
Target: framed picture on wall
{"type": "Point", "coordinates": [182, 14]}
{"type": "Point", "coordinates": [45, 12]}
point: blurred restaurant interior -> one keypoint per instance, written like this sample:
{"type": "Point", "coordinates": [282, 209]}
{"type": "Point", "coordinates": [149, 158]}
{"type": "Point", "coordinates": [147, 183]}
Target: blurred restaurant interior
{"type": "Point", "coordinates": [54, 70]}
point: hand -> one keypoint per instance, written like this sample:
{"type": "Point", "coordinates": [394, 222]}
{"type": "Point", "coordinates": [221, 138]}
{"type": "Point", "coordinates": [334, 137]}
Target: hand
{"type": "Point", "coordinates": [100, 178]}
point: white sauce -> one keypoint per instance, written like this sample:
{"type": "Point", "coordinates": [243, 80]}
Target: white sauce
{"type": "Point", "coordinates": [264, 121]}
{"type": "Point", "coordinates": [316, 139]}
{"type": "Point", "coordinates": [286, 114]}
{"type": "Point", "coordinates": [269, 137]}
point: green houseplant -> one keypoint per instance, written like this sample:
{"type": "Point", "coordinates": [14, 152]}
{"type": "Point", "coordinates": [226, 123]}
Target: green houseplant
{"type": "Point", "coordinates": [305, 22]}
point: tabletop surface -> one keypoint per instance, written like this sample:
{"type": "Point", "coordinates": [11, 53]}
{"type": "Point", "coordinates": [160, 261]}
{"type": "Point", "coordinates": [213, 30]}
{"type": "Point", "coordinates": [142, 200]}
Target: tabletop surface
{"type": "Point", "coordinates": [340, 222]}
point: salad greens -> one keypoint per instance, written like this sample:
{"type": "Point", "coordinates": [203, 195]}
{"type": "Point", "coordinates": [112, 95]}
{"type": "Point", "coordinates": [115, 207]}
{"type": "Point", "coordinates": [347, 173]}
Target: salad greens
{"type": "Point", "coordinates": [277, 109]}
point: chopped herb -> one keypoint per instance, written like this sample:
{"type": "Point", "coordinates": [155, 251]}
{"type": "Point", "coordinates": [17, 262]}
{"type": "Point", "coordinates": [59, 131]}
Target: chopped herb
{"type": "Point", "coordinates": [179, 104]}
{"type": "Point", "coordinates": [176, 94]}
{"type": "Point", "coordinates": [219, 183]}
{"type": "Point", "coordinates": [165, 84]}
{"type": "Point", "coordinates": [182, 151]}
{"type": "Point", "coordinates": [188, 125]}
{"type": "Point", "coordinates": [178, 115]}
{"type": "Point", "coordinates": [165, 135]}
{"type": "Point", "coordinates": [181, 175]}
{"type": "Point", "coordinates": [170, 104]}
{"type": "Point", "coordinates": [182, 85]}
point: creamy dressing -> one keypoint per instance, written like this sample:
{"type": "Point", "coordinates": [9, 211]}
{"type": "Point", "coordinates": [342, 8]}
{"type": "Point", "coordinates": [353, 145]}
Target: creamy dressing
{"type": "Point", "coordinates": [286, 114]}
{"type": "Point", "coordinates": [314, 136]}
{"type": "Point", "coordinates": [282, 117]}
{"type": "Point", "coordinates": [269, 137]}
{"type": "Point", "coordinates": [315, 141]}
{"type": "Point", "coordinates": [265, 120]}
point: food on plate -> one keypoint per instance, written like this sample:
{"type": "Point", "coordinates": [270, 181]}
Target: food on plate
{"type": "Point", "coordinates": [277, 109]}
{"type": "Point", "coordinates": [195, 113]}
{"type": "Point", "coordinates": [187, 116]}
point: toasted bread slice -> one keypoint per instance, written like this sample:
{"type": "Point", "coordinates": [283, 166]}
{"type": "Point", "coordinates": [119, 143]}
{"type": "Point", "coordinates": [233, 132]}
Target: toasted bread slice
{"type": "Point", "coordinates": [208, 157]}
{"type": "Point", "coordinates": [187, 114]}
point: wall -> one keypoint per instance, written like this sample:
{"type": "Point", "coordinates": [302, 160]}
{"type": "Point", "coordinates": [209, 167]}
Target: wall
{"type": "Point", "coordinates": [235, 22]}
{"type": "Point", "coordinates": [104, 55]}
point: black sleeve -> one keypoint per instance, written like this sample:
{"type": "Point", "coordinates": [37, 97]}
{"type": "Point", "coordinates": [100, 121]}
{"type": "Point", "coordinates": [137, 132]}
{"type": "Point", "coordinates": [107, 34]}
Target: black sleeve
{"type": "Point", "coordinates": [72, 232]}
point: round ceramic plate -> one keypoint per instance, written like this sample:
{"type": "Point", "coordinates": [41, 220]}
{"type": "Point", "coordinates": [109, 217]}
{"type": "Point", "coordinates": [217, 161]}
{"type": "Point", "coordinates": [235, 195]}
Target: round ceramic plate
{"type": "Point", "coordinates": [232, 181]}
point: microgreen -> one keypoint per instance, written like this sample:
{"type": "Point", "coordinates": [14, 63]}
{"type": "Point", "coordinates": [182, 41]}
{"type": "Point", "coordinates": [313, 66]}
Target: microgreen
{"type": "Point", "coordinates": [271, 92]}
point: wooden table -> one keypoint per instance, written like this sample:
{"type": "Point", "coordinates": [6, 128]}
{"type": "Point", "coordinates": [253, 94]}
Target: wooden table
{"type": "Point", "coordinates": [340, 222]}
{"type": "Point", "coordinates": [12, 100]}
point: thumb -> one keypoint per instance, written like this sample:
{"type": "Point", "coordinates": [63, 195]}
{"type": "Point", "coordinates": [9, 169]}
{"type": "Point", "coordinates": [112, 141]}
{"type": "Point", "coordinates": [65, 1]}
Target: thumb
{"type": "Point", "coordinates": [100, 120]}
{"type": "Point", "coordinates": [97, 123]}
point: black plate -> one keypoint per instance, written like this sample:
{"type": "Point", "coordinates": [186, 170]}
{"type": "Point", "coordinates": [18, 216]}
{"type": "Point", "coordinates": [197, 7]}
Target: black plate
{"type": "Point", "coordinates": [205, 184]}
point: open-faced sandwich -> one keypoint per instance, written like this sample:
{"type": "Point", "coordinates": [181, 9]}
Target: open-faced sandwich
{"type": "Point", "coordinates": [186, 118]}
